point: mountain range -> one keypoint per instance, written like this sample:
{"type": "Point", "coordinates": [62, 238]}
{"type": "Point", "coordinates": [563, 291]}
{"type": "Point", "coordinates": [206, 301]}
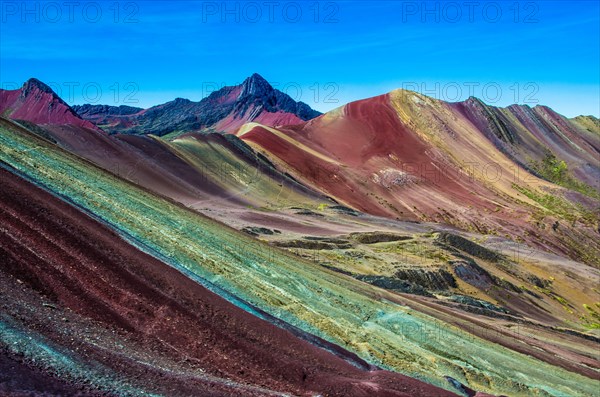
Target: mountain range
{"type": "Point", "coordinates": [246, 244]}
{"type": "Point", "coordinates": [222, 111]}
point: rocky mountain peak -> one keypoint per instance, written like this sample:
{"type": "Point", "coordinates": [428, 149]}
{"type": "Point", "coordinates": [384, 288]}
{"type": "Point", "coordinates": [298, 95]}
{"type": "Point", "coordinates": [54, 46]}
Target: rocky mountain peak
{"type": "Point", "coordinates": [256, 86]}
{"type": "Point", "coordinates": [32, 85]}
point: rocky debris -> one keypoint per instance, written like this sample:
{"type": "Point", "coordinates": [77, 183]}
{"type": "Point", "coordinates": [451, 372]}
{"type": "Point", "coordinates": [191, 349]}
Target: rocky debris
{"type": "Point", "coordinates": [311, 244]}
{"type": "Point", "coordinates": [469, 301]}
{"type": "Point", "coordinates": [394, 284]}
{"type": "Point", "coordinates": [432, 280]}
{"type": "Point", "coordinates": [507, 285]}
{"type": "Point", "coordinates": [390, 177]}
{"type": "Point", "coordinates": [470, 272]}
{"type": "Point", "coordinates": [256, 231]}
{"type": "Point", "coordinates": [466, 390]}
{"type": "Point", "coordinates": [378, 237]}
{"type": "Point", "coordinates": [338, 270]}
{"type": "Point", "coordinates": [309, 213]}
{"type": "Point", "coordinates": [538, 282]}
{"type": "Point", "coordinates": [389, 283]}
{"type": "Point", "coordinates": [468, 246]}
{"type": "Point", "coordinates": [332, 240]}
{"type": "Point", "coordinates": [344, 210]}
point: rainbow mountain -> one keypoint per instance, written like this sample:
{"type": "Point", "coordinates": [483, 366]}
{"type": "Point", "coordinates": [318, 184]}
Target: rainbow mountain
{"type": "Point", "coordinates": [396, 246]}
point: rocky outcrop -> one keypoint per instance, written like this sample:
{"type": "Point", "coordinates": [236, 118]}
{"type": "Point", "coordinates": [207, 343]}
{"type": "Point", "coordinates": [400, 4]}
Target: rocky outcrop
{"type": "Point", "coordinates": [432, 280]}
{"type": "Point", "coordinates": [477, 303]}
{"type": "Point", "coordinates": [470, 272]}
{"type": "Point", "coordinates": [394, 284]}
{"type": "Point", "coordinates": [468, 246]}
{"type": "Point", "coordinates": [313, 244]}
{"type": "Point", "coordinates": [344, 210]}
{"type": "Point", "coordinates": [378, 237]}
{"type": "Point", "coordinates": [257, 231]}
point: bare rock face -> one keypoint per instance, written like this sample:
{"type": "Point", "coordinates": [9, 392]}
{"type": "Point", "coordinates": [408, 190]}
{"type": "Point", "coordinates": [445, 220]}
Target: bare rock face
{"type": "Point", "coordinates": [433, 280]}
{"type": "Point", "coordinates": [468, 246]}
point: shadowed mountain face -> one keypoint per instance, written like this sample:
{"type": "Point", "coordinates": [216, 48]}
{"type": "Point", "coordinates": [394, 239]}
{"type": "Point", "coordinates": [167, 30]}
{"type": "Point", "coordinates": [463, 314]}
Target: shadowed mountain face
{"type": "Point", "coordinates": [223, 110]}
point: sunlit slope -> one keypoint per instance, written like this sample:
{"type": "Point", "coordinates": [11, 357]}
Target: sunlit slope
{"type": "Point", "coordinates": [408, 156]}
{"type": "Point", "coordinates": [200, 171]}
{"type": "Point", "coordinates": [337, 308]}
{"type": "Point", "coordinates": [538, 139]}
{"type": "Point", "coordinates": [235, 168]}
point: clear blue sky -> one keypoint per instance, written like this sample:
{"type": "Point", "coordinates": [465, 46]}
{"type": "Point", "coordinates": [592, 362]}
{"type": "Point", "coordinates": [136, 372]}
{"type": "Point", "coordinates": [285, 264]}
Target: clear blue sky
{"type": "Point", "coordinates": [150, 52]}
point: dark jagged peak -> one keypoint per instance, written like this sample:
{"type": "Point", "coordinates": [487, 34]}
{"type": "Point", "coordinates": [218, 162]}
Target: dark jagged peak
{"type": "Point", "coordinates": [257, 91]}
{"type": "Point", "coordinates": [225, 109]}
{"type": "Point", "coordinates": [256, 86]}
{"type": "Point", "coordinates": [305, 112]}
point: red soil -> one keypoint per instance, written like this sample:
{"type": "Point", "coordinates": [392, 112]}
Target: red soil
{"type": "Point", "coordinates": [39, 107]}
{"type": "Point", "coordinates": [365, 139]}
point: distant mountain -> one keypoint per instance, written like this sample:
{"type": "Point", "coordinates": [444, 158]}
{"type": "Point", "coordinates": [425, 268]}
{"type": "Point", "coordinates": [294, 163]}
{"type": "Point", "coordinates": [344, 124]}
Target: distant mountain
{"type": "Point", "coordinates": [37, 103]}
{"type": "Point", "coordinates": [104, 114]}
{"type": "Point", "coordinates": [224, 110]}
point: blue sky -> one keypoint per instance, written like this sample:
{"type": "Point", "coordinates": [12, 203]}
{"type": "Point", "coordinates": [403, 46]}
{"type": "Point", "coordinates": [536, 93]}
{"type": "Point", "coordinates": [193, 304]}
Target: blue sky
{"type": "Point", "coordinates": [323, 53]}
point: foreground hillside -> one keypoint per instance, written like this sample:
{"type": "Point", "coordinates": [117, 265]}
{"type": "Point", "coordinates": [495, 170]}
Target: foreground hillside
{"type": "Point", "coordinates": [89, 312]}
{"type": "Point", "coordinates": [274, 285]}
